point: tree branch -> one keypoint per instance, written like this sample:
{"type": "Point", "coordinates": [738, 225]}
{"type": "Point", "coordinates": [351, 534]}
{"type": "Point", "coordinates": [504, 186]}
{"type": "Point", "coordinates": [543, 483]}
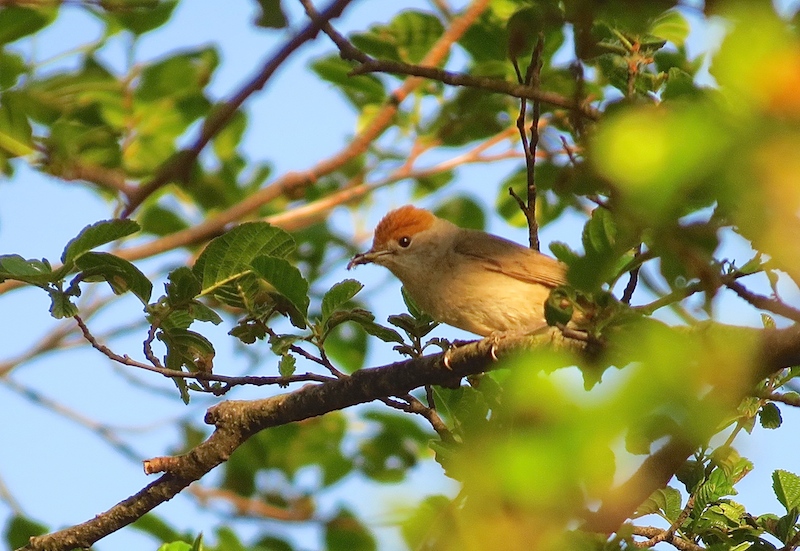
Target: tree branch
{"type": "Point", "coordinates": [217, 120]}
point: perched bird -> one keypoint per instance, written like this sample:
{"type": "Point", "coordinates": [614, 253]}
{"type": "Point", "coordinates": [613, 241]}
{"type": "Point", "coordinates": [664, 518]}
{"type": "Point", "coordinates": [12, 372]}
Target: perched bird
{"type": "Point", "coordinates": [465, 278]}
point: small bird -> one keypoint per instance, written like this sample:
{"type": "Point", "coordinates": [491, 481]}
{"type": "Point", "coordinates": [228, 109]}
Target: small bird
{"type": "Point", "coordinates": [466, 278]}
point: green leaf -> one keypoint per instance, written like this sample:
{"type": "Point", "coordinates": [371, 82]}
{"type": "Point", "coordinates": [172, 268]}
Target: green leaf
{"type": "Point", "coordinates": [271, 16]}
{"type": "Point", "coordinates": [230, 255]}
{"type": "Point", "coordinates": [179, 76]}
{"type": "Point", "coordinates": [287, 365]}
{"type": "Point", "coordinates": [120, 274]}
{"type": "Point", "coordinates": [338, 295]}
{"type": "Point", "coordinates": [666, 500]}
{"type": "Point", "coordinates": [187, 349]}
{"type": "Point", "coordinates": [35, 272]}
{"type": "Point", "coordinates": [155, 526]}
{"type": "Point", "coordinates": [176, 546]}
{"type": "Point", "coordinates": [11, 67]}
{"type": "Point", "coordinates": [183, 286]}
{"type": "Point", "coordinates": [140, 19]}
{"type": "Point", "coordinates": [462, 211]}
{"type": "Point", "coordinates": [415, 33]}
{"type": "Point", "coordinates": [95, 235]}
{"type": "Point", "coordinates": [787, 489]}
{"type": "Point", "coordinates": [228, 139]}
{"type": "Point", "coordinates": [20, 529]}
{"type": "Point", "coordinates": [345, 532]}
{"type": "Point", "coordinates": [16, 22]}
{"type": "Point", "coordinates": [770, 416]}
{"type": "Point", "coordinates": [672, 26]}
{"type": "Point", "coordinates": [360, 90]}
{"type": "Point", "coordinates": [287, 281]}
{"type": "Point", "coordinates": [15, 130]}
{"type": "Point", "coordinates": [61, 305]}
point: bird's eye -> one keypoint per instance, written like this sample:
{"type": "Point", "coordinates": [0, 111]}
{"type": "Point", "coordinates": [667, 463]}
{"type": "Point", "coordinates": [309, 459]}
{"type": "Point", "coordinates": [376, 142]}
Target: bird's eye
{"type": "Point", "coordinates": [404, 241]}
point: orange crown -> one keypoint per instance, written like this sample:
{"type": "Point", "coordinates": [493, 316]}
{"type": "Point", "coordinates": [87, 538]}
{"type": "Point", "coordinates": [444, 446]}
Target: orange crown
{"type": "Point", "coordinates": [405, 221]}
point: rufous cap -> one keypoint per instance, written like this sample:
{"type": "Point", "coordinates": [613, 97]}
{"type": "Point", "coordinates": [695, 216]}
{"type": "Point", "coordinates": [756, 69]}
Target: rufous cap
{"type": "Point", "coordinates": [406, 221]}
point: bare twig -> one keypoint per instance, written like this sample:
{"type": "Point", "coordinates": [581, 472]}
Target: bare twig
{"type": "Point", "coordinates": [298, 510]}
{"type": "Point", "coordinates": [203, 376]}
{"type": "Point", "coordinates": [770, 304]}
{"type": "Point", "coordinates": [669, 534]}
{"type": "Point", "coordinates": [673, 539]}
{"type": "Point", "coordinates": [627, 294]}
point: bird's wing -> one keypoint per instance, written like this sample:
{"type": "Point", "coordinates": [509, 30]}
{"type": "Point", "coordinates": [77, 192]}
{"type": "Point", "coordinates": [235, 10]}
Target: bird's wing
{"type": "Point", "coordinates": [514, 260]}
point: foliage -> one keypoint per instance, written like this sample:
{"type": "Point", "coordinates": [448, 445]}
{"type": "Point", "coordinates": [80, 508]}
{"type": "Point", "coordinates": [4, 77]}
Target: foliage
{"type": "Point", "coordinates": [662, 169]}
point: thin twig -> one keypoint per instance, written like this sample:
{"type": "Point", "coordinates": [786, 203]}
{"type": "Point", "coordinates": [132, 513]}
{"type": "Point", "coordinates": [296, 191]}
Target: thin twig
{"type": "Point", "coordinates": [771, 304]}
{"type": "Point", "coordinates": [627, 294]}
{"type": "Point", "coordinates": [203, 376]}
{"type": "Point", "coordinates": [674, 540]}
{"type": "Point", "coordinates": [220, 117]}
{"type": "Point", "coordinates": [669, 534]}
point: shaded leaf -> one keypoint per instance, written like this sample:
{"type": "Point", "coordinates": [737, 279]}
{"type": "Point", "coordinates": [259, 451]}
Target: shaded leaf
{"type": "Point", "coordinates": [16, 22]}
{"type": "Point", "coordinates": [770, 416]}
{"type": "Point", "coordinates": [338, 295]}
{"type": "Point", "coordinates": [120, 274]}
{"type": "Point", "coordinates": [288, 282]}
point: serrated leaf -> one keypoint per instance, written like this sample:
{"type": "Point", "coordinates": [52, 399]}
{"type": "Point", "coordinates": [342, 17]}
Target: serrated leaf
{"type": "Point", "coordinates": [666, 500]}
{"type": "Point", "coordinates": [230, 255]}
{"type": "Point", "coordinates": [767, 321]}
{"type": "Point", "coordinates": [287, 365]}
{"type": "Point", "coordinates": [182, 286]}
{"type": "Point", "coordinates": [770, 416]}
{"type": "Point", "coordinates": [287, 281]}
{"type": "Point", "coordinates": [415, 32]}
{"type": "Point", "coordinates": [187, 349]}
{"type": "Point", "coordinates": [61, 305]}
{"type": "Point", "coordinates": [787, 489]}
{"type": "Point", "coordinates": [95, 235]}
{"type": "Point", "coordinates": [338, 295]}
{"type": "Point", "coordinates": [365, 320]}
{"type": "Point", "coordinates": [121, 275]}
{"type": "Point", "coordinates": [36, 272]}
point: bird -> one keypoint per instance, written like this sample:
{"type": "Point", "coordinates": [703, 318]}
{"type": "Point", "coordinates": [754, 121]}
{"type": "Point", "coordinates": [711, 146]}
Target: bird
{"type": "Point", "coordinates": [466, 278]}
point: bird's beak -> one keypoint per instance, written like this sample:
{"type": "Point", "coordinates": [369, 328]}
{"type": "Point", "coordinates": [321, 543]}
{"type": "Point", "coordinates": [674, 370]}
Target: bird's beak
{"type": "Point", "coordinates": [365, 258]}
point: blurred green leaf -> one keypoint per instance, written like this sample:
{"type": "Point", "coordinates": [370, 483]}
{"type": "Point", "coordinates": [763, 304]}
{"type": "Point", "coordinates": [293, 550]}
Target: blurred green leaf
{"type": "Point", "coordinates": [227, 140]}
{"type": "Point", "coordinates": [139, 19]}
{"type": "Point", "coordinates": [11, 67]}
{"type": "Point", "coordinates": [16, 21]}
{"type": "Point", "coordinates": [20, 529]}
{"type": "Point", "coordinates": [272, 15]}
{"type": "Point", "coordinates": [156, 526]}
{"type": "Point", "coordinates": [360, 90]}
{"type": "Point", "coordinates": [345, 532]}
{"type": "Point", "coordinates": [15, 130]}
{"type": "Point", "coordinates": [672, 26]}
{"type": "Point", "coordinates": [415, 33]}
{"type": "Point", "coordinates": [462, 211]}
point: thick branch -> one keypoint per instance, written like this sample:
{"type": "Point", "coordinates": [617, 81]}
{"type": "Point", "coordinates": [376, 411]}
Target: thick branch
{"type": "Point", "coordinates": [236, 421]}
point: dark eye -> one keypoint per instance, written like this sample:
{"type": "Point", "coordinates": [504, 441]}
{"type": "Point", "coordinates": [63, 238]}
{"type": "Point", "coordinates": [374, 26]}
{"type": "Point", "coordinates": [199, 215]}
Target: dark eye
{"type": "Point", "coordinates": [404, 241]}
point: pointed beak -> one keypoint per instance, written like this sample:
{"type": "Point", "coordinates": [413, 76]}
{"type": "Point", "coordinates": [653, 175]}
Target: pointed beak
{"type": "Point", "coordinates": [365, 258]}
